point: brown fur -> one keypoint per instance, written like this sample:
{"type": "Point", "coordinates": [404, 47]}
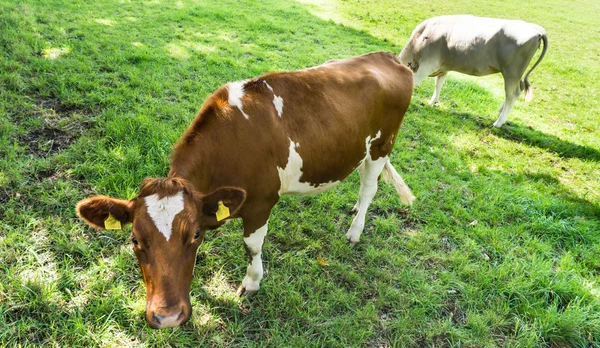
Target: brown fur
{"type": "Point", "coordinates": [224, 157]}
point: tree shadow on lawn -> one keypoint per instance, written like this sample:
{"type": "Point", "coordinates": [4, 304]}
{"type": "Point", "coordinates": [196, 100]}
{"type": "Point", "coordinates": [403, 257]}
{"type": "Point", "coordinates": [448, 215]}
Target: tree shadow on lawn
{"type": "Point", "coordinates": [49, 311]}
{"type": "Point", "coordinates": [436, 125]}
{"type": "Point", "coordinates": [531, 137]}
{"type": "Point", "coordinates": [308, 44]}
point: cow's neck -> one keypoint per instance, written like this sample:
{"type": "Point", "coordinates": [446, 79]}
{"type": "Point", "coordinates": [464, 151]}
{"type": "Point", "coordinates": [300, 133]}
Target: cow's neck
{"type": "Point", "coordinates": [192, 171]}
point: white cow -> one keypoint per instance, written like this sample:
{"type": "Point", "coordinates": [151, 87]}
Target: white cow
{"type": "Point", "coordinates": [476, 46]}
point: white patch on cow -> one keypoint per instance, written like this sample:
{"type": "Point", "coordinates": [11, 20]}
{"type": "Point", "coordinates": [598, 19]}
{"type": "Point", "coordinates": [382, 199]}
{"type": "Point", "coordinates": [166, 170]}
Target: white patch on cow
{"type": "Point", "coordinates": [254, 273]}
{"type": "Point", "coordinates": [368, 142]}
{"type": "Point", "coordinates": [289, 176]}
{"type": "Point", "coordinates": [236, 92]}
{"type": "Point", "coordinates": [255, 241]}
{"type": "Point", "coordinates": [277, 100]}
{"type": "Point", "coordinates": [369, 172]}
{"type": "Point", "coordinates": [163, 211]}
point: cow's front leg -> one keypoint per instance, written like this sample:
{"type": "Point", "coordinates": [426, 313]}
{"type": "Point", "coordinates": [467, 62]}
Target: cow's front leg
{"type": "Point", "coordinates": [255, 230]}
{"type": "Point", "coordinates": [439, 82]}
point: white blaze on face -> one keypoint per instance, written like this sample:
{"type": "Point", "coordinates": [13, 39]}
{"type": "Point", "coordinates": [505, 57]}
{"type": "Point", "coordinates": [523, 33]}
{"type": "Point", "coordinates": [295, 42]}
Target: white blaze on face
{"type": "Point", "coordinates": [163, 211]}
{"type": "Point", "coordinates": [291, 174]}
{"type": "Point", "coordinates": [277, 101]}
{"type": "Point", "coordinates": [236, 92]}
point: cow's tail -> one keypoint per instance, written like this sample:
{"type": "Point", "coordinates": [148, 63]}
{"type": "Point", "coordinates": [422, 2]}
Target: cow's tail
{"type": "Point", "coordinates": [391, 176]}
{"type": "Point", "coordinates": [525, 83]}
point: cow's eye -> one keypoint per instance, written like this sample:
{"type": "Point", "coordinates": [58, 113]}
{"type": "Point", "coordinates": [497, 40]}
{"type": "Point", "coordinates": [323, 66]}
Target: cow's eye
{"type": "Point", "coordinates": [134, 241]}
{"type": "Point", "coordinates": [197, 235]}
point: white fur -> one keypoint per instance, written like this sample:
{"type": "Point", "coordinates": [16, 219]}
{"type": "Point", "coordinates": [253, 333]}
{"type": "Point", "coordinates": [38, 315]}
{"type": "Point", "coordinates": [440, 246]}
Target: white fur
{"type": "Point", "coordinates": [277, 101]}
{"type": "Point", "coordinates": [369, 171]}
{"type": "Point", "coordinates": [254, 273]}
{"type": "Point", "coordinates": [368, 142]}
{"type": "Point", "coordinates": [291, 174]}
{"type": "Point", "coordinates": [163, 211]}
{"type": "Point", "coordinates": [391, 176]}
{"type": "Point", "coordinates": [236, 92]}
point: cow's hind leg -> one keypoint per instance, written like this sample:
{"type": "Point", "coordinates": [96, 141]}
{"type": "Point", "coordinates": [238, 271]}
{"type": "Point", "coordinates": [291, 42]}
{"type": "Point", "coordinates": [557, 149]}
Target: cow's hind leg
{"type": "Point", "coordinates": [512, 90]}
{"type": "Point", "coordinates": [439, 82]}
{"type": "Point", "coordinates": [369, 172]}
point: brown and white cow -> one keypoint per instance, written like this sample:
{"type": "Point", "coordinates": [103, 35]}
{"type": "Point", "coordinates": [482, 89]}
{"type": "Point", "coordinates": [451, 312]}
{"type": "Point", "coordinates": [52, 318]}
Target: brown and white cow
{"type": "Point", "coordinates": [475, 46]}
{"type": "Point", "coordinates": [252, 141]}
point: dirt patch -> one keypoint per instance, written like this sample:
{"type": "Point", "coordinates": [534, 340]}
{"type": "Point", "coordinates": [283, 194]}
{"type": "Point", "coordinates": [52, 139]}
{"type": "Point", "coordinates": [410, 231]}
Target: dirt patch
{"type": "Point", "coordinates": [409, 220]}
{"type": "Point", "coordinates": [62, 124]}
{"type": "Point", "coordinates": [43, 104]}
{"type": "Point", "coordinates": [46, 141]}
{"type": "Point", "coordinates": [441, 340]}
{"type": "Point", "coordinates": [386, 314]}
{"type": "Point", "coordinates": [447, 244]}
{"type": "Point", "coordinates": [4, 195]}
{"type": "Point", "coordinates": [454, 311]}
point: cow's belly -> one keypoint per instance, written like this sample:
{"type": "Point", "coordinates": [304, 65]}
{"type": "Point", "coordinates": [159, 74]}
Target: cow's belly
{"type": "Point", "coordinates": [293, 186]}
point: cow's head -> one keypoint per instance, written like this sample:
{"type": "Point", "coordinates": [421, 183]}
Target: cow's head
{"type": "Point", "coordinates": [169, 220]}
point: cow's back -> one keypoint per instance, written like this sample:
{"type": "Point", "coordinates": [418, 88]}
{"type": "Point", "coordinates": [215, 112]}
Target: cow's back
{"type": "Point", "coordinates": [469, 44]}
{"type": "Point", "coordinates": [329, 111]}
{"type": "Point", "coordinates": [322, 115]}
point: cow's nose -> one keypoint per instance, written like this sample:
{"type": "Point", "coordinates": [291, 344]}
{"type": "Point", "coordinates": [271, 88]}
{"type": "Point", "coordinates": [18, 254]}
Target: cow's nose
{"type": "Point", "coordinates": [164, 321]}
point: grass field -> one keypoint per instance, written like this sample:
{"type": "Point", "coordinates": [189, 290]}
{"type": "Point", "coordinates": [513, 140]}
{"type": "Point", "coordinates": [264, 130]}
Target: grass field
{"type": "Point", "coordinates": [501, 248]}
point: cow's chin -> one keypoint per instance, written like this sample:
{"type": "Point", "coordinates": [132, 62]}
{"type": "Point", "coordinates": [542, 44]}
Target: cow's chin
{"type": "Point", "coordinates": [166, 317]}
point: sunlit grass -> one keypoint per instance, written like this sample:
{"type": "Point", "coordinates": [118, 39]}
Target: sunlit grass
{"type": "Point", "coordinates": [500, 249]}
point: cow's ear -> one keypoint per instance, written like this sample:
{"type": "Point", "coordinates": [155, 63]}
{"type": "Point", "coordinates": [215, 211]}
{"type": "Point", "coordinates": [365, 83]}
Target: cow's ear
{"type": "Point", "coordinates": [220, 204]}
{"type": "Point", "coordinates": [96, 210]}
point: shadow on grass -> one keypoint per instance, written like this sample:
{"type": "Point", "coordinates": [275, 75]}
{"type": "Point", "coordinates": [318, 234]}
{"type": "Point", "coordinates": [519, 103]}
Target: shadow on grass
{"type": "Point", "coordinates": [297, 48]}
{"type": "Point", "coordinates": [532, 137]}
{"type": "Point", "coordinates": [511, 130]}
{"type": "Point", "coordinates": [563, 219]}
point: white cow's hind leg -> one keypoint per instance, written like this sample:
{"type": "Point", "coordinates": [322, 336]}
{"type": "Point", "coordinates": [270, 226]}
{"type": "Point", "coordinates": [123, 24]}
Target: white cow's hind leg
{"type": "Point", "coordinates": [369, 172]}
{"type": "Point", "coordinates": [512, 90]}
{"type": "Point", "coordinates": [439, 82]}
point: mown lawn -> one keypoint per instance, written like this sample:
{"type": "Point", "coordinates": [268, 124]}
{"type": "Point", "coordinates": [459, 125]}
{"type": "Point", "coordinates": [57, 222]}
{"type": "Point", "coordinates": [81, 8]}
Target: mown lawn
{"type": "Point", "coordinates": [502, 247]}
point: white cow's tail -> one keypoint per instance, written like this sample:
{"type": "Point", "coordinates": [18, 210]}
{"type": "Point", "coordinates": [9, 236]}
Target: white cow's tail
{"type": "Point", "coordinates": [525, 83]}
{"type": "Point", "coordinates": [391, 176]}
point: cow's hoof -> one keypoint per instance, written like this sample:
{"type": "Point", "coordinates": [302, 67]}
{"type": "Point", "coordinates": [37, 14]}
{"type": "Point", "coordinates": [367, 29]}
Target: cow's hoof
{"type": "Point", "coordinates": [242, 291]}
{"type": "Point", "coordinates": [433, 102]}
{"type": "Point", "coordinates": [352, 242]}
{"type": "Point", "coordinates": [352, 211]}
{"type": "Point", "coordinates": [498, 124]}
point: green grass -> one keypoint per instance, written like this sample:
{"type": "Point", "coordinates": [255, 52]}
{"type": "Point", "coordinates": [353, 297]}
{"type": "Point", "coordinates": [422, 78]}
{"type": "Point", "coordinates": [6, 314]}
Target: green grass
{"type": "Point", "coordinates": [500, 249]}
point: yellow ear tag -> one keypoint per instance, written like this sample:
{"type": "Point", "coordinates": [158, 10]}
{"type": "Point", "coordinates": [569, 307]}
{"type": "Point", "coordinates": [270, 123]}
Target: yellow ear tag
{"type": "Point", "coordinates": [111, 223]}
{"type": "Point", "coordinates": [222, 212]}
